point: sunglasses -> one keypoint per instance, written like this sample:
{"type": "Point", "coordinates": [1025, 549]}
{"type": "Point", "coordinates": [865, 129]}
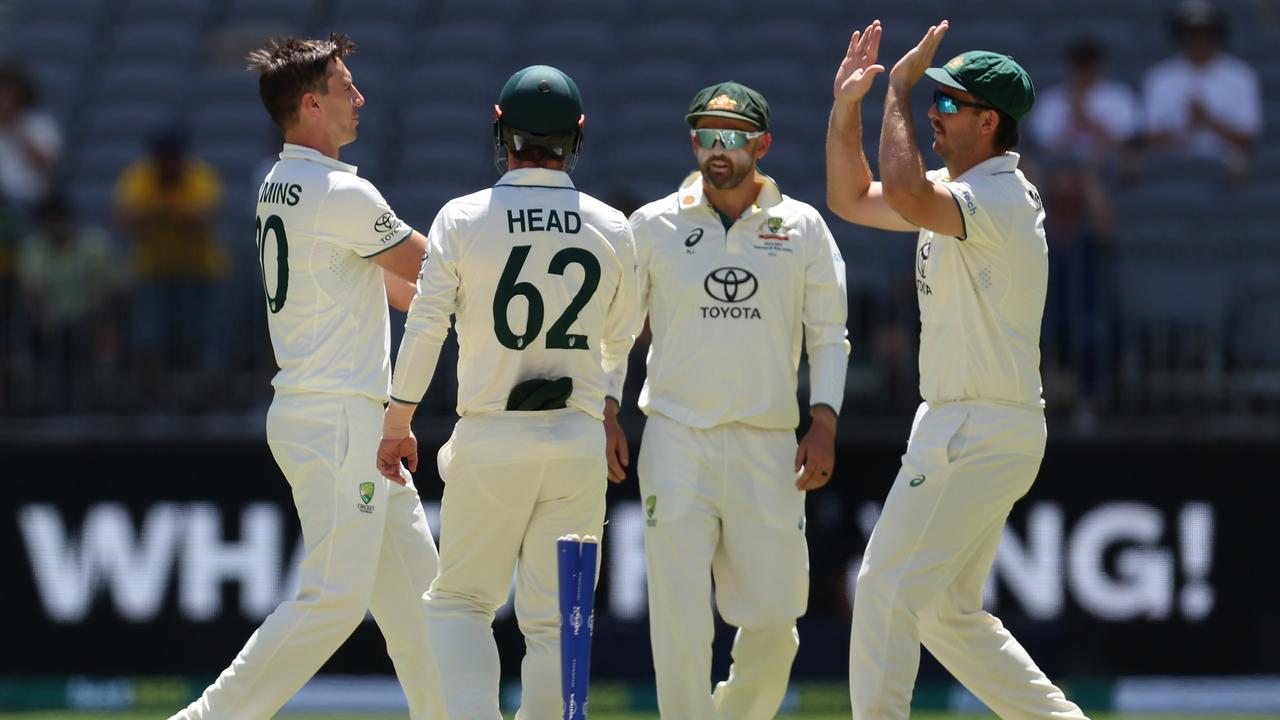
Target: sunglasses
{"type": "Point", "coordinates": [730, 139]}
{"type": "Point", "coordinates": [948, 105]}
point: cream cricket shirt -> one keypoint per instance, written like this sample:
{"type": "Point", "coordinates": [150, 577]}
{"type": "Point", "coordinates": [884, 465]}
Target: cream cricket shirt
{"type": "Point", "coordinates": [542, 280]}
{"type": "Point", "coordinates": [982, 298]}
{"type": "Point", "coordinates": [318, 224]}
{"type": "Point", "coordinates": [729, 310]}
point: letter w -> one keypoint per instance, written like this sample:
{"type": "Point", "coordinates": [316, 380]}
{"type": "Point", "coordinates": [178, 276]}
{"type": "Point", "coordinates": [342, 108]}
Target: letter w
{"type": "Point", "coordinates": [69, 570]}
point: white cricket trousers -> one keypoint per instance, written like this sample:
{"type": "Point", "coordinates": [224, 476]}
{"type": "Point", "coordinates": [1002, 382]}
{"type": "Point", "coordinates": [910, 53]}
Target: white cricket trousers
{"type": "Point", "coordinates": [514, 483]}
{"type": "Point", "coordinates": [367, 547]}
{"type": "Point", "coordinates": [927, 561]}
{"type": "Point", "coordinates": [722, 503]}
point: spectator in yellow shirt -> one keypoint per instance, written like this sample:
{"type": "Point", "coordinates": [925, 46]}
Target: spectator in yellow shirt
{"type": "Point", "coordinates": [167, 203]}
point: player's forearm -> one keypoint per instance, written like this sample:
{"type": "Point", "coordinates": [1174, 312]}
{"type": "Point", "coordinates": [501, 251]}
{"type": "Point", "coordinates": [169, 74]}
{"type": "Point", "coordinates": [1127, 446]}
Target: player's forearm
{"type": "Point", "coordinates": [848, 172]}
{"type": "Point", "coordinates": [617, 379]}
{"type": "Point", "coordinates": [400, 292]}
{"type": "Point", "coordinates": [902, 171]}
{"type": "Point", "coordinates": [828, 365]}
{"type": "Point", "coordinates": [424, 334]}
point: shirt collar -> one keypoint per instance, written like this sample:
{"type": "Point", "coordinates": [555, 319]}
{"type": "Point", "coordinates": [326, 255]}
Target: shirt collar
{"type": "Point", "coordinates": [1008, 162]}
{"type": "Point", "coordinates": [691, 194]}
{"type": "Point", "coordinates": [535, 177]}
{"type": "Point", "coordinates": [302, 152]}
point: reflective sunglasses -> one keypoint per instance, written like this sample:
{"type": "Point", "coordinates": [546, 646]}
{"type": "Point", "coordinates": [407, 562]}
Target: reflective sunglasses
{"type": "Point", "coordinates": [948, 105]}
{"type": "Point", "coordinates": [730, 139]}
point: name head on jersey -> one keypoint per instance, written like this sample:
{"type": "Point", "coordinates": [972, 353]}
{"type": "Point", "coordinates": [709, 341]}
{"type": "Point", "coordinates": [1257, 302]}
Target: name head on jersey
{"type": "Point", "coordinates": [538, 117]}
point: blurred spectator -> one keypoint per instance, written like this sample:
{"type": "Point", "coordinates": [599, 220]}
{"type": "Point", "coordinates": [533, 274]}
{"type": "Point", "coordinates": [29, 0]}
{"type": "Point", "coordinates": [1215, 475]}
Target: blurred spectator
{"type": "Point", "coordinates": [1088, 116]}
{"type": "Point", "coordinates": [167, 201]}
{"type": "Point", "coordinates": [70, 285]}
{"type": "Point", "coordinates": [1203, 101]}
{"type": "Point", "coordinates": [1080, 126]}
{"type": "Point", "coordinates": [1080, 307]}
{"type": "Point", "coordinates": [30, 143]}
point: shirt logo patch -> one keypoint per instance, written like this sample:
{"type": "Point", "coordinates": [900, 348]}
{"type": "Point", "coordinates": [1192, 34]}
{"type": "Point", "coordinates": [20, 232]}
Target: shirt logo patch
{"type": "Point", "coordinates": [366, 496]}
{"type": "Point", "coordinates": [385, 222]}
{"type": "Point", "coordinates": [922, 259]}
{"type": "Point", "coordinates": [731, 284]}
{"type": "Point", "coordinates": [693, 238]}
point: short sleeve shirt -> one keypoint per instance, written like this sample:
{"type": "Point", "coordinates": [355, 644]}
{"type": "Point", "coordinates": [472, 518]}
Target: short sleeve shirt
{"type": "Point", "coordinates": [982, 296]}
{"type": "Point", "coordinates": [318, 224]}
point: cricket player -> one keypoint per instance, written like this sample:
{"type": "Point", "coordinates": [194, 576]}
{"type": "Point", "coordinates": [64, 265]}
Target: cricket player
{"type": "Point", "coordinates": [333, 255]}
{"type": "Point", "coordinates": [978, 437]}
{"type": "Point", "coordinates": [735, 276]}
{"type": "Point", "coordinates": [541, 279]}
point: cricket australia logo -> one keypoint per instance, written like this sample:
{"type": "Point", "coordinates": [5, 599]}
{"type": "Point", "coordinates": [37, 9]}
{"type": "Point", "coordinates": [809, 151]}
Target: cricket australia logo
{"type": "Point", "coordinates": [650, 507]}
{"type": "Point", "coordinates": [366, 496]}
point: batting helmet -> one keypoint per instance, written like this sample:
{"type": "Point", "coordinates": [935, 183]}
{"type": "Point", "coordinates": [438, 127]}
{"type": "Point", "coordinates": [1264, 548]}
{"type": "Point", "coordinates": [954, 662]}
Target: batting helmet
{"type": "Point", "coordinates": [541, 106]}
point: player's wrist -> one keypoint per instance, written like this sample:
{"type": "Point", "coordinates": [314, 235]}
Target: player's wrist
{"type": "Point", "coordinates": [398, 419]}
{"type": "Point", "coordinates": [824, 415]}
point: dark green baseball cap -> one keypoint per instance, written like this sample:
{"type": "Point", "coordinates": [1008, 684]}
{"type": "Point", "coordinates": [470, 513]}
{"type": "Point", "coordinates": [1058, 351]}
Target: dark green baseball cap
{"type": "Point", "coordinates": [997, 79]}
{"type": "Point", "coordinates": [541, 100]}
{"type": "Point", "coordinates": [731, 100]}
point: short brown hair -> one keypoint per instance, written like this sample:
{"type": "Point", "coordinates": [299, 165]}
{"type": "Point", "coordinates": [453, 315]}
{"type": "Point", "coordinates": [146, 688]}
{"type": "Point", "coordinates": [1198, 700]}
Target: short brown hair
{"type": "Point", "coordinates": [288, 68]}
{"type": "Point", "coordinates": [1007, 135]}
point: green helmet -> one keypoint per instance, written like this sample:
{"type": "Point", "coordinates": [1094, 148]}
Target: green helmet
{"type": "Point", "coordinates": [541, 106]}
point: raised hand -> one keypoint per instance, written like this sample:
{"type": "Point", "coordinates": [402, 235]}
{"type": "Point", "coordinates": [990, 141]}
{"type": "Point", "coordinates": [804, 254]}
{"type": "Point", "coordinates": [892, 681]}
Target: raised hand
{"type": "Point", "coordinates": [908, 71]}
{"type": "Point", "coordinates": [859, 68]}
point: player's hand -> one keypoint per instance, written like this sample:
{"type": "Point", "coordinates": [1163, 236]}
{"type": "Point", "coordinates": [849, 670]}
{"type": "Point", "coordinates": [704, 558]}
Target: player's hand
{"type": "Point", "coordinates": [908, 71]}
{"type": "Point", "coordinates": [391, 450]}
{"type": "Point", "coordinates": [859, 69]}
{"type": "Point", "coordinates": [816, 455]}
{"type": "Point", "coordinates": [615, 444]}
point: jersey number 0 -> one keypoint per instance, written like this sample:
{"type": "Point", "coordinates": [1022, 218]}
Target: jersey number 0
{"type": "Point", "coordinates": [558, 336]}
{"type": "Point", "coordinates": [274, 226]}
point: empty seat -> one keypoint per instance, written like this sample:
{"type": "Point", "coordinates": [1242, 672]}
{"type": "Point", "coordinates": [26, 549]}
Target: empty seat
{"type": "Point", "coordinates": [30, 12]}
{"type": "Point", "coordinates": [59, 43]}
{"type": "Point", "coordinates": [348, 12]}
{"type": "Point", "coordinates": [510, 12]}
{"type": "Point", "coordinates": [192, 12]}
{"type": "Point", "coordinates": [461, 84]}
{"type": "Point", "coordinates": [127, 121]}
{"type": "Point", "coordinates": [481, 39]}
{"type": "Point", "coordinates": [669, 36]}
{"type": "Point", "coordinates": [289, 12]}
{"type": "Point", "coordinates": [381, 46]}
{"type": "Point", "coordinates": [560, 42]}
{"type": "Point", "coordinates": [172, 43]}
{"type": "Point", "coordinates": [142, 82]}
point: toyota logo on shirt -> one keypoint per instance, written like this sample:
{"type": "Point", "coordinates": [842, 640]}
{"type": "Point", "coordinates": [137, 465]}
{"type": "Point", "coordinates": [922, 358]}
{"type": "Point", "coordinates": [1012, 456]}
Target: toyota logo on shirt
{"type": "Point", "coordinates": [731, 284]}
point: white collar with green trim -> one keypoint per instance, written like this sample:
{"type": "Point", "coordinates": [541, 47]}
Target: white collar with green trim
{"type": "Point", "coordinates": [302, 152]}
{"type": "Point", "coordinates": [691, 194]}
{"type": "Point", "coordinates": [994, 165]}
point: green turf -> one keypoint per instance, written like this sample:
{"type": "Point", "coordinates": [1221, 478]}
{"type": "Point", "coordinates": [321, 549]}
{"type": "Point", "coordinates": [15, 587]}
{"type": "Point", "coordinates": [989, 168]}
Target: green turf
{"type": "Point", "coordinates": [68, 715]}
{"type": "Point", "coordinates": [64, 715]}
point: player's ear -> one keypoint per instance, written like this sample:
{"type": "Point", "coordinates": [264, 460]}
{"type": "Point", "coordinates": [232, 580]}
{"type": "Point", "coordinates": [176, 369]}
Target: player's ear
{"type": "Point", "coordinates": [309, 104]}
{"type": "Point", "coordinates": [763, 144]}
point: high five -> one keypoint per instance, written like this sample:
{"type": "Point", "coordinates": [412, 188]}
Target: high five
{"type": "Point", "coordinates": [978, 437]}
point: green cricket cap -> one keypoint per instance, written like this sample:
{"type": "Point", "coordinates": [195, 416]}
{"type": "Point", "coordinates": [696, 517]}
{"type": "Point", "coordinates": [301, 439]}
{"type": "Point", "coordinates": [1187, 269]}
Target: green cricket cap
{"type": "Point", "coordinates": [730, 100]}
{"type": "Point", "coordinates": [541, 100]}
{"type": "Point", "coordinates": [997, 79]}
